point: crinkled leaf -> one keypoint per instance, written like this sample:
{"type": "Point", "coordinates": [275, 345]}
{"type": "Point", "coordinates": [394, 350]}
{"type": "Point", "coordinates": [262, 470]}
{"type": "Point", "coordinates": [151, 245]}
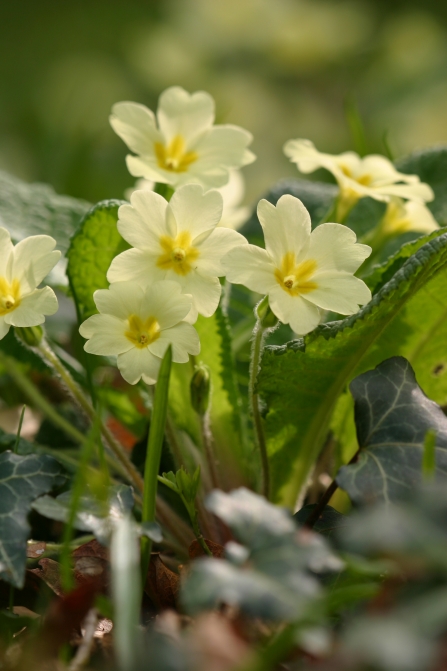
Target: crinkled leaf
{"type": "Point", "coordinates": [22, 480]}
{"type": "Point", "coordinates": [93, 515]}
{"type": "Point", "coordinates": [431, 166]}
{"type": "Point", "coordinates": [301, 381]}
{"type": "Point", "coordinates": [91, 252]}
{"type": "Point", "coordinates": [392, 416]}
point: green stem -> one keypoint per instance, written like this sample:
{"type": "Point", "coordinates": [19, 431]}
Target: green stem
{"type": "Point", "coordinates": [47, 353]}
{"type": "Point", "coordinates": [257, 421]}
{"type": "Point", "coordinates": [208, 447]}
{"type": "Point", "coordinates": [153, 455]}
{"type": "Point", "coordinates": [32, 392]}
{"type": "Point", "coordinates": [19, 430]}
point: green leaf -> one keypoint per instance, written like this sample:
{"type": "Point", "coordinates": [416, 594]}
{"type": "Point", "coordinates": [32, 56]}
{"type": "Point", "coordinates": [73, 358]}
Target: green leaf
{"type": "Point", "coordinates": [91, 252]}
{"type": "Point", "coordinates": [22, 479]}
{"type": "Point", "coordinates": [92, 515]}
{"type": "Point", "coordinates": [431, 166]}
{"type": "Point", "coordinates": [329, 521]}
{"type": "Point", "coordinates": [227, 421]}
{"type": "Point", "coordinates": [302, 381]}
{"type": "Point", "coordinates": [393, 417]}
{"type": "Point", "coordinates": [36, 209]}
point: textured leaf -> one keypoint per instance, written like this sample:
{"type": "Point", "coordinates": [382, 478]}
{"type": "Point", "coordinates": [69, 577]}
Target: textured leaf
{"type": "Point", "coordinates": [36, 209]}
{"type": "Point", "coordinates": [22, 479]}
{"type": "Point", "coordinates": [302, 380]}
{"type": "Point", "coordinates": [225, 403]}
{"type": "Point", "coordinates": [91, 252]}
{"type": "Point", "coordinates": [94, 515]}
{"type": "Point", "coordinates": [392, 416]}
{"type": "Point", "coordinates": [431, 166]}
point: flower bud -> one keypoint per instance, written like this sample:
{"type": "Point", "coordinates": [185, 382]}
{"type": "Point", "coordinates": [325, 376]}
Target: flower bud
{"type": "Point", "coordinates": [265, 315]}
{"type": "Point", "coordinates": [30, 335]}
{"type": "Point", "coordinates": [200, 389]}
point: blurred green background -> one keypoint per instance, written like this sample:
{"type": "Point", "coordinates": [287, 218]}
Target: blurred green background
{"type": "Point", "coordinates": [280, 68]}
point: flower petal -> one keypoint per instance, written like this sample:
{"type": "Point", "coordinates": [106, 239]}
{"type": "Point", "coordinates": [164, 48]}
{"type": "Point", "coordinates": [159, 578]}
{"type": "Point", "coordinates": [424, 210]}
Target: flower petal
{"type": "Point", "coordinates": [334, 247]}
{"type": "Point", "coordinates": [205, 292]}
{"type": "Point", "coordinates": [106, 335]}
{"type": "Point", "coordinates": [4, 328]}
{"type": "Point", "coordinates": [6, 247]}
{"type": "Point", "coordinates": [308, 158]}
{"type": "Point", "coordinates": [121, 299]}
{"type": "Point", "coordinates": [139, 363]}
{"type": "Point", "coordinates": [420, 217]}
{"type": "Point", "coordinates": [223, 146]}
{"type": "Point", "coordinates": [286, 227]}
{"type": "Point", "coordinates": [195, 211]}
{"type": "Point", "coordinates": [33, 308]}
{"type": "Point", "coordinates": [135, 124]}
{"type": "Point", "coordinates": [165, 301]}
{"type": "Point", "coordinates": [184, 114]}
{"type": "Point", "coordinates": [417, 191]}
{"type": "Point", "coordinates": [147, 167]}
{"type": "Point", "coordinates": [33, 259]}
{"type": "Point", "coordinates": [221, 241]}
{"type": "Point", "coordinates": [137, 266]}
{"type": "Point", "coordinates": [144, 221]}
{"type": "Point", "coordinates": [339, 292]}
{"type": "Point", "coordinates": [302, 316]}
{"type": "Point", "coordinates": [184, 339]}
{"type": "Point", "coordinates": [251, 266]}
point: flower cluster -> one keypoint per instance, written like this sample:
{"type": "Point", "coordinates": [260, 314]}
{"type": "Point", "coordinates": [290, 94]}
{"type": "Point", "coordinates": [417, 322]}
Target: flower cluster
{"type": "Point", "coordinates": [180, 249]}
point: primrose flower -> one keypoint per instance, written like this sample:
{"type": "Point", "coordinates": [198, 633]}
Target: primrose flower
{"type": "Point", "coordinates": [176, 241]}
{"type": "Point", "coordinates": [303, 272]}
{"type": "Point", "coordinates": [22, 269]}
{"type": "Point", "coordinates": [137, 325]}
{"type": "Point", "coordinates": [402, 217]}
{"type": "Point", "coordinates": [373, 176]}
{"type": "Point", "coordinates": [184, 147]}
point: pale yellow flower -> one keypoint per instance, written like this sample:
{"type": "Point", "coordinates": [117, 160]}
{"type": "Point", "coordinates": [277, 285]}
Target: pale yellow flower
{"type": "Point", "coordinates": [403, 217]}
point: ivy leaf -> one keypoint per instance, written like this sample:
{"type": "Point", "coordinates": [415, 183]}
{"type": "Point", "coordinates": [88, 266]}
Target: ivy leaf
{"type": "Point", "coordinates": [22, 479]}
{"type": "Point", "coordinates": [302, 381]}
{"type": "Point", "coordinates": [392, 416]}
{"type": "Point", "coordinates": [93, 515]}
{"type": "Point", "coordinates": [431, 166]}
{"type": "Point", "coordinates": [329, 521]}
{"type": "Point", "coordinates": [91, 252]}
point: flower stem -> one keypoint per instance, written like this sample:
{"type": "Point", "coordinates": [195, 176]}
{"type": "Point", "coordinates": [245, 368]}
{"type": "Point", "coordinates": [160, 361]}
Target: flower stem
{"type": "Point", "coordinates": [258, 339]}
{"type": "Point", "coordinates": [207, 444]}
{"type": "Point", "coordinates": [153, 455]}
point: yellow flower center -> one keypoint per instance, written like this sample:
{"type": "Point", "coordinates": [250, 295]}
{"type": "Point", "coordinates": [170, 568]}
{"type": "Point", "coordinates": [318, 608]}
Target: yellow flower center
{"type": "Point", "coordinates": [9, 296]}
{"type": "Point", "coordinates": [178, 253]}
{"type": "Point", "coordinates": [295, 279]}
{"type": "Point", "coordinates": [365, 179]}
{"type": "Point", "coordinates": [142, 333]}
{"type": "Point", "coordinates": [174, 157]}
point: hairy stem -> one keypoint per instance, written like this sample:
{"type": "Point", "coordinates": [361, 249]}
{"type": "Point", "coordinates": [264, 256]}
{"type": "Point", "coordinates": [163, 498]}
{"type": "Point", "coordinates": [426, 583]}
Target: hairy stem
{"type": "Point", "coordinates": [256, 353]}
{"type": "Point", "coordinates": [209, 452]}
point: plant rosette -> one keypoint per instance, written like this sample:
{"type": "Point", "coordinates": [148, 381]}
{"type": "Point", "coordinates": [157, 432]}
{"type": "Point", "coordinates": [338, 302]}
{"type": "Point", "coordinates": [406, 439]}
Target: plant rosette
{"type": "Point", "coordinates": [180, 145]}
{"type": "Point", "coordinates": [303, 272]}
{"type": "Point", "coordinates": [136, 325]}
{"type": "Point", "coordinates": [177, 241]}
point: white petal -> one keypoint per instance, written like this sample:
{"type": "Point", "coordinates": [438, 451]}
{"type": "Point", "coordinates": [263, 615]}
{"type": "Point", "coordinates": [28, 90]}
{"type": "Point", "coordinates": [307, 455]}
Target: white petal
{"type": "Point", "coordinates": [382, 170]}
{"type": "Point", "coordinates": [420, 217]}
{"type": "Point", "coordinates": [139, 363]}
{"type": "Point", "coordinates": [147, 167]}
{"type": "Point", "coordinates": [221, 241]}
{"type": "Point", "coordinates": [33, 308]}
{"type": "Point", "coordinates": [334, 247]}
{"type": "Point", "coordinates": [144, 221]}
{"type": "Point", "coordinates": [308, 158]}
{"type": "Point", "coordinates": [418, 191]}
{"type": "Point", "coordinates": [33, 259]}
{"type": "Point", "coordinates": [286, 227]}
{"type": "Point", "coordinates": [339, 292]}
{"type": "Point", "coordinates": [165, 301]}
{"type": "Point", "coordinates": [184, 339]}
{"type": "Point", "coordinates": [135, 124]}
{"type": "Point", "coordinates": [205, 292]}
{"type": "Point", "coordinates": [251, 266]}
{"type": "Point", "coordinates": [196, 211]}
{"type": "Point", "coordinates": [135, 265]}
{"type": "Point", "coordinates": [4, 328]}
{"type": "Point", "coordinates": [121, 299]}
{"type": "Point", "coordinates": [106, 335]}
{"type": "Point", "coordinates": [181, 113]}
{"type": "Point", "coordinates": [6, 247]}
{"type": "Point", "coordinates": [223, 146]}
{"type": "Point", "coordinates": [302, 316]}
